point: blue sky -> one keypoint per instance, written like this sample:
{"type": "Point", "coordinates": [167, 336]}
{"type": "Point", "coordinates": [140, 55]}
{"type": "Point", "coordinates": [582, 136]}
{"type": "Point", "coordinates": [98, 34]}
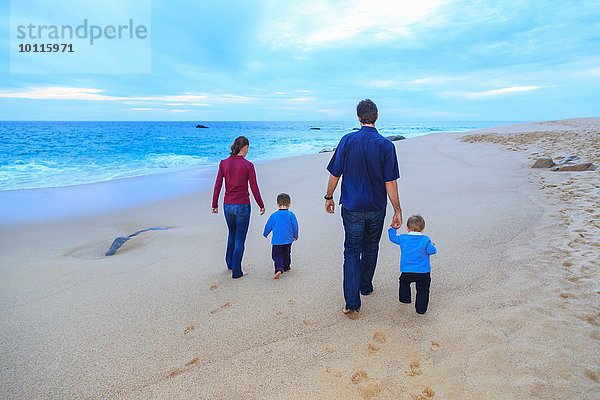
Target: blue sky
{"type": "Point", "coordinates": [313, 60]}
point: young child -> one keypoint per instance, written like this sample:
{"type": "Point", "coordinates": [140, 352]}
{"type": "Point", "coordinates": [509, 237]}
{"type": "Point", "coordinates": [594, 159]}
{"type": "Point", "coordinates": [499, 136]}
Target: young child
{"type": "Point", "coordinates": [415, 250]}
{"type": "Point", "coordinates": [284, 225]}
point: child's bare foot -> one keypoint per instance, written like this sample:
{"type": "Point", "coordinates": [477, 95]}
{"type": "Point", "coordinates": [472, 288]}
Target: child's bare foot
{"type": "Point", "coordinates": [277, 275]}
{"type": "Point", "coordinates": [350, 313]}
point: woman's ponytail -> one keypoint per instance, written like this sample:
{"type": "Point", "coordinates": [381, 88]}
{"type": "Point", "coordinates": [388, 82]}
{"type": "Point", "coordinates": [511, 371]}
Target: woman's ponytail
{"type": "Point", "coordinates": [238, 144]}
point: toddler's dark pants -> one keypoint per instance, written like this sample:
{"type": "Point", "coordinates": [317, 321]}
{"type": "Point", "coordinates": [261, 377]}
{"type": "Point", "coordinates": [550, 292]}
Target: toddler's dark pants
{"type": "Point", "coordinates": [422, 280]}
{"type": "Point", "coordinates": [282, 256]}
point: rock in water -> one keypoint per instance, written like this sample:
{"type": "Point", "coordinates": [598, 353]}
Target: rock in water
{"type": "Point", "coordinates": [314, 128]}
{"type": "Point", "coordinates": [201, 126]}
{"type": "Point", "coordinates": [396, 138]}
{"type": "Point", "coordinates": [587, 166]}
{"type": "Point", "coordinates": [543, 162]}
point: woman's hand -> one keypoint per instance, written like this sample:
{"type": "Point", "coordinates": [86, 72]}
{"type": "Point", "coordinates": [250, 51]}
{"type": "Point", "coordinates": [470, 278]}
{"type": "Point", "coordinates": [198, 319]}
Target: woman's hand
{"type": "Point", "coordinates": [262, 211]}
{"type": "Point", "coordinates": [215, 210]}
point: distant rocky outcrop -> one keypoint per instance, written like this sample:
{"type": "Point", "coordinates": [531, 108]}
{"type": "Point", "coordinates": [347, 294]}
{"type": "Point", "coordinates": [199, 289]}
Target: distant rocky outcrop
{"type": "Point", "coordinates": [355, 129]}
{"type": "Point", "coordinates": [315, 128]}
{"type": "Point", "coordinates": [201, 126]}
{"type": "Point", "coordinates": [563, 164]}
{"type": "Point", "coordinates": [395, 138]}
{"type": "Point", "coordinates": [543, 162]}
{"type": "Point", "coordinates": [587, 166]}
{"type": "Point", "coordinates": [327, 150]}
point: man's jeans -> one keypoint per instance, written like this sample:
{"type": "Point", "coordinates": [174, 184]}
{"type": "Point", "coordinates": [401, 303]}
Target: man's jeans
{"type": "Point", "coordinates": [361, 246]}
{"type": "Point", "coordinates": [238, 220]}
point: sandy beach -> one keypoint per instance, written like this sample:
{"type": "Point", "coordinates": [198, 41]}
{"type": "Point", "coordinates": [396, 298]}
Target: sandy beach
{"type": "Point", "coordinates": [514, 309]}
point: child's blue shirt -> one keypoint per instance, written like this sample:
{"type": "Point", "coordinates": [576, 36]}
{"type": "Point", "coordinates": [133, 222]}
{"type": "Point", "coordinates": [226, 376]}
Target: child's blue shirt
{"type": "Point", "coordinates": [416, 249]}
{"type": "Point", "coordinates": [284, 225]}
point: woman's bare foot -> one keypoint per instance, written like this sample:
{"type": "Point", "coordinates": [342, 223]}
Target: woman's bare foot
{"type": "Point", "coordinates": [277, 275]}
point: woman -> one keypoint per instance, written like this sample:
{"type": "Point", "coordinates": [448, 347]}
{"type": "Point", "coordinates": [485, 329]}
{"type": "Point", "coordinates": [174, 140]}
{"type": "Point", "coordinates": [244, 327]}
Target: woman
{"type": "Point", "coordinates": [238, 172]}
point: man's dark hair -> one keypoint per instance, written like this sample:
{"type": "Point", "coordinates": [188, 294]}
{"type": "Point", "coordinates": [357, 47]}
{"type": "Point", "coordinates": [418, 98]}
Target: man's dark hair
{"type": "Point", "coordinates": [367, 111]}
{"type": "Point", "coordinates": [238, 144]}
{"type": "Point", "coordinates": [416, 223]}
{"type": "Point", "coordinates": [283, 199]}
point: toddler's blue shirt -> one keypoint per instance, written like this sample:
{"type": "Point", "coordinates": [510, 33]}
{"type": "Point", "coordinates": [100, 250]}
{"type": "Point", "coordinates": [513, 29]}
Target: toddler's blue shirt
{"type": "Point", "coordinates": [284, 225]}
{"type": "Point", "coordinates": [416, 249]}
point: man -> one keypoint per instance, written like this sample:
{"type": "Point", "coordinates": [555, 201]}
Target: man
{"type": "Point", "coordinates": [369, 166]}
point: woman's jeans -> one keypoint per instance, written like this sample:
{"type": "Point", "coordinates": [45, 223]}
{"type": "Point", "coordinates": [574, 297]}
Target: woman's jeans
{"type": "Point", "coordinates": [361, 246]}
{"type": "Point", "coordinates": [238, 220]}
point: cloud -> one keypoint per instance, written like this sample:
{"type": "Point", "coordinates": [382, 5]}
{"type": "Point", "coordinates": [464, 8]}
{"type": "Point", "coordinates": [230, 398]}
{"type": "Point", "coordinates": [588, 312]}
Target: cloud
{"type": "Point", "coordinates": [313, 23]}
{"type": "Point", "coordinates": [300, 99]}
{"type": "Point", "coordinates": [496, 92]}
{"type": "Point", "coordinates": [94, 94]}
{"type": "Point", "coordinates": [170, 110]}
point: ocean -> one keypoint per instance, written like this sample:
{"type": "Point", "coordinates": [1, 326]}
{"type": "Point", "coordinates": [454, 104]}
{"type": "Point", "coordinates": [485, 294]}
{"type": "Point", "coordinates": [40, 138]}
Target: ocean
{"type": "Point", "coordinates": [39, 154]}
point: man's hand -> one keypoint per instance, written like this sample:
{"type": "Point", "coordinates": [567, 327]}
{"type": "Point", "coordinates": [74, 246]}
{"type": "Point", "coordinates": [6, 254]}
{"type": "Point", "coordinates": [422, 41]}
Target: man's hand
{"type": "Point", "coordinates": [331, 185]}
{"type": "Point", "coordinates": [330, 206]}
{"type": "Point", "coordinates": [262, 211]}
{"type": "Point", "coordinates": [397, 219]}
{"type": "Point", "coordinates": [215, 210]}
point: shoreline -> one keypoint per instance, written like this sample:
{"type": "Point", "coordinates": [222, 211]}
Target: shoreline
{"type": "Point", "coordinates": [38, 205]}
{"type": "Point", "coordinates": [63, 203]}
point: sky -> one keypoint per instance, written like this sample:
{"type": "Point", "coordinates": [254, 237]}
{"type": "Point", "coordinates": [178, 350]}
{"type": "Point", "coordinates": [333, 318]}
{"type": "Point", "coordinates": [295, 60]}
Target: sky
{"type": "Point", "coordinates": [436, 60]}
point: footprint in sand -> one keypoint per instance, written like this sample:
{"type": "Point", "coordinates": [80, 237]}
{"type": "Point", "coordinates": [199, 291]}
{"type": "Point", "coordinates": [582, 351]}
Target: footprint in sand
{"type": "Point", "coordinates": [435, 345]}
{"type": "Point", "coordinates": [291, 302]}
{"type": "Point", "coordinates": [567, 264]}
{"type": "Point", "coordinates": [567, 295]}
{"type": "Point", "coordinates": [379, 338]}
{"type": "Point", "coordinates": [373, 348]}
{"type": "Point", "coordinates": [368, 387]}
{"type": "Point", "coordinates": [189, 365]}
{"type": "Point", "coordinates": [282, 315]}
{"type": "Point", "coordinates": [592, 375]}
{"type": "Point", "coordinates": [592, 319]}
{"type": "Point", "coordinates": [426, 394]}
{"type": "Point", "coordinates": [224, 306]}
{"type": "Point", "coordinates": [189, 329]}
{"type": "Point", "coordinates": [414, 368]}
{"type": "Point", "coordinates": [213, 286]}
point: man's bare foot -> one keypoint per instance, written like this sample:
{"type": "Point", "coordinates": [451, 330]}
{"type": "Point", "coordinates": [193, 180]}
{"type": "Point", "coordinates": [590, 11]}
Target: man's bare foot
{"type": "Point", "coordinates": [277, 275]}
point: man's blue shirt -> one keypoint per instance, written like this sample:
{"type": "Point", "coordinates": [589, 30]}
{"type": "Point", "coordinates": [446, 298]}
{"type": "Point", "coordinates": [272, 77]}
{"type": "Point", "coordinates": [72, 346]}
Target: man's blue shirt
{"type": "Point", "coordinates": [365, 160]}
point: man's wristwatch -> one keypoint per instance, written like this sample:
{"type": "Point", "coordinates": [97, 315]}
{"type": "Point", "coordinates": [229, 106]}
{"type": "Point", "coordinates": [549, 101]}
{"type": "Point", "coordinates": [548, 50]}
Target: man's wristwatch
{"type": "Point", "coordinates": [328, 197]}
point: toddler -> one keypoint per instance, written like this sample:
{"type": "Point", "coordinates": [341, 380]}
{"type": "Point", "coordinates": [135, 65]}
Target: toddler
{"type": "Point", "coordinates": [284, 225]}
{"type": "Point", "coordinates": [415, 248]}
